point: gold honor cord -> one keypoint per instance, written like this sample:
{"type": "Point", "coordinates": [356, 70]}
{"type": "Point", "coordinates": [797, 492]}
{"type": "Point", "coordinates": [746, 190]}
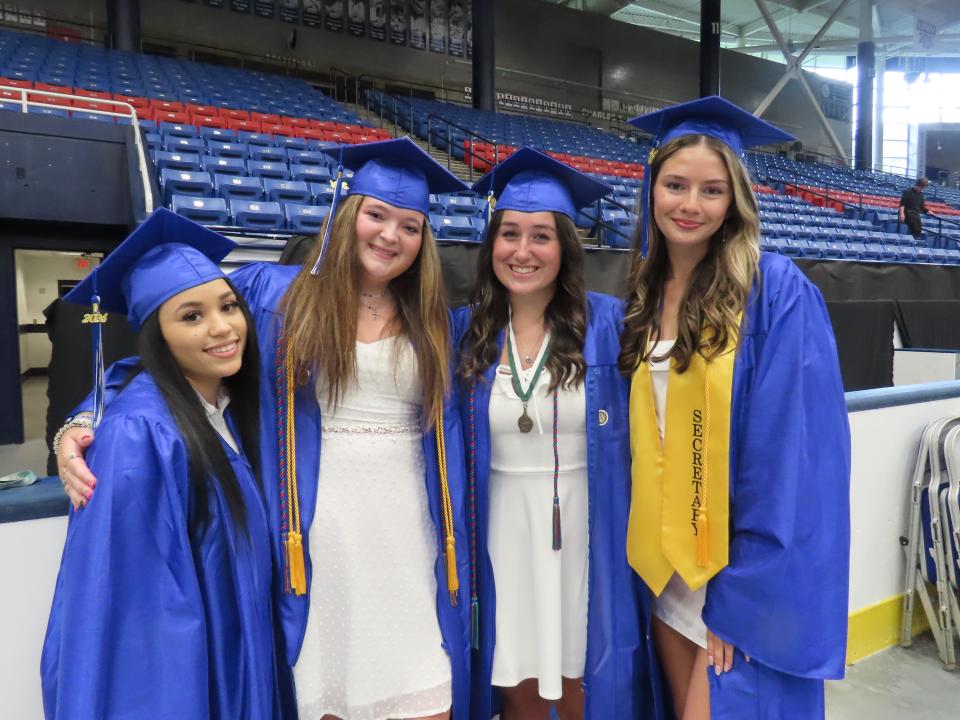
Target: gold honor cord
{"type": "Point", "coordinates": [450, 549]}
{"type": "Point", "coordinates": [293, 542]}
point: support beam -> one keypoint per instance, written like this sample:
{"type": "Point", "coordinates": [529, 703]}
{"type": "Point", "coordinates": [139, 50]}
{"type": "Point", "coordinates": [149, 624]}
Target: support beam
{"type": "Point", "coordinates": [866, 70]}
{"type": "Point", "coordinates": [484, 57]}
{"type": "Point", "coordinates": [123, 25]}
{"type": "Point", "coordinates": [709, 47]}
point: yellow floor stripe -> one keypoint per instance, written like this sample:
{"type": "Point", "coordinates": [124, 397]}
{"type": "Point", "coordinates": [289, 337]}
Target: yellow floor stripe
{"type": "Point", "coordinates": [877, 627]}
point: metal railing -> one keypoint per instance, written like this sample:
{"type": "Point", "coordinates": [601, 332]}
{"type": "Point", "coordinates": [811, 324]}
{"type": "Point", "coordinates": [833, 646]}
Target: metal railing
{"type": "Point", "coordinates": [472, 137]}
{"type": "Point", "coordinates": [25, 102]}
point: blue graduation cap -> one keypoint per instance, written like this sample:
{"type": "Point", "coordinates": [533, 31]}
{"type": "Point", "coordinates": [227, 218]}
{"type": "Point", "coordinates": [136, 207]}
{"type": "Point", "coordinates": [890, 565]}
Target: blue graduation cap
{"type": "Point", "coordinates": [530, 181]}
{"type": "Point", "coordinates": [398, 172]}
{"type": "Point", "coordinates": [166, 255]}
{"type": "Point", "coordinates": [712, 116]}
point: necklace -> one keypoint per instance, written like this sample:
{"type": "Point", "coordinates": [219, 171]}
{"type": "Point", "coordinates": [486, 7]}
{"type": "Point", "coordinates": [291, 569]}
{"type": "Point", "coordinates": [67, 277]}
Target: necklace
{"type": "Point", "coordinates": [524, 422]}
{"type": "Point", "coordinates": [374, 310]}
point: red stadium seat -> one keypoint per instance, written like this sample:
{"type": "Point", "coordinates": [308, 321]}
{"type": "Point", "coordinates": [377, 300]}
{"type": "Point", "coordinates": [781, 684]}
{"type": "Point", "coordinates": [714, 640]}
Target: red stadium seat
{"type": "Point", "coordinates": [248, 125]}
{"type": "Point", "coordinates": [234, 114]}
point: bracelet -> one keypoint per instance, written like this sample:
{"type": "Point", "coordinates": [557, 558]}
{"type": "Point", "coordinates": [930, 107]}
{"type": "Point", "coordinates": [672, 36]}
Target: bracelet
{"type": "Point", "coordinates": [83, 420]}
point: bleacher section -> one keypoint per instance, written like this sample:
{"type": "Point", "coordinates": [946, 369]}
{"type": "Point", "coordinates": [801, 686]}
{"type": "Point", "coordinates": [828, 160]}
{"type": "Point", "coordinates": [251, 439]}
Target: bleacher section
{"type": "Point", "coordinates": [243, 150]}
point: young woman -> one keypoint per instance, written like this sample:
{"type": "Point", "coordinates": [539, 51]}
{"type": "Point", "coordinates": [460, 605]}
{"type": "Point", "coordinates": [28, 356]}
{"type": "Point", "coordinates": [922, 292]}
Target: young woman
{"type": "Point", "coordinates": [739, 520]}
{"type": "Point", "coordinates": [354, 348]}
{"type": "Point", "coordinates": [557, 611]}
{"type": "Point", "coordinates": [162, 604]}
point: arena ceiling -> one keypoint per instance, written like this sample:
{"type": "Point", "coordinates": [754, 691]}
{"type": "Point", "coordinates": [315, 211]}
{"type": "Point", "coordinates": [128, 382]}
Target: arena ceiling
{"type": "Point", "coordinates": [899, 27]}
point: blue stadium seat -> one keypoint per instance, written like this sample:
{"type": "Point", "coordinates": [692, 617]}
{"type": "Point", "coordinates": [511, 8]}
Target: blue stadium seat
{"type": "Point", "coordinates": [177, 161]}
{"type": "Point", "coordinates": [436, 204]}
{"type": "Point", "coordinates": [454, 227]}
{"type": "Point", "coordinates": [153, 140]}
{"type": "Point", "coordinates": [908, 253]}
{"type": "Point", "coordinates": [181, 182]}
{"type": "Point", "coordinates": [854, 251]}
{"type": "Point", "coordinates": [795, 248]}
{"type": "Point", "coordinates": [834, 249]}
{"type": "Point", "coordinates": [288, 142]}
{"type": "Point", "coordinates": [52, 112]}
{"type": "Point", "coordinates": [169, 129]}
{"type": "Point", "coordinates": [307, 157]}
{"type": "Point", "coordinates": [228, 149]}
{"type": "Point", "coordinates": [257, 215]}
{"type": "Point", "coordinates": [938, 255]}
{"type": "Point", "coordinates": [254, 138]}
{"type": "Point", "coordinates": [206, 211]}
{"type": "Point", "coordinates": [184, 145]}
{"type": "Point", "coordinates": [220, 134]}
{"type": "Point", "coordinates": [91, 116]}
{"type": "Point", "coordinates": [871, 251]}
{"type": "Point", "coordinates": [453, 205]}
{"type": "Point", "coordinates": [284, 191]}
{"type": "Point", "coordinates": [236, 186]}
{"type": "Point", "coordinates": [890, 253]}
{"type": "Point", "coordinates": [923, 254]}
{"type": "Point", "coordinates": [953, 256]}
{"type": "Point", "coordinates": [621, 234]}
{"type": "Point", "coordinates": [322, 192]}
{"type": "Point", "coordinates": [269, 154]}
{"type": "Point", "coordinates": [305, 219]}
{"type": "Point", "coordinates": [814, 249]}
{"type": "Point", "coordinates": [480, 223]}
{"type": "Point", "coordinates": [223, 165]}
{"type": "Point", "coordinates": [261, 168]}
{"type": "Point", "coordinates": [310, 173]}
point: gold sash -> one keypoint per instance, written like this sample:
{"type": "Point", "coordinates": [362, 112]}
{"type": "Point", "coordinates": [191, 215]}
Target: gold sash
{"type": "Point", "coordinates": [680, 500]}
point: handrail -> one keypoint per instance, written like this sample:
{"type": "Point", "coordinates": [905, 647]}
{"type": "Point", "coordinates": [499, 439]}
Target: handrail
{"type": "Point", "coordinates": [335, 74]}
{"type": "Point", "coordinates": [471, 135]}
{"type": "Point", "coordinates": [25, 102]}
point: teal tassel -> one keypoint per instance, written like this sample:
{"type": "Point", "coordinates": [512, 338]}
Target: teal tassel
{"type": "Point", "coordinates": [557, 538]}
{"type": "Point", "coordinates": [475, 623]}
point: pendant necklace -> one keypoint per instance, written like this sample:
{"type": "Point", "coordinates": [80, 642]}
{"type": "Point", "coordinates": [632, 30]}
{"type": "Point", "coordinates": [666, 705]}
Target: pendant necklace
{"type": "Point", "coordinates": [374, 311]}
{"type": "Point", "coordinates": [524, 422]}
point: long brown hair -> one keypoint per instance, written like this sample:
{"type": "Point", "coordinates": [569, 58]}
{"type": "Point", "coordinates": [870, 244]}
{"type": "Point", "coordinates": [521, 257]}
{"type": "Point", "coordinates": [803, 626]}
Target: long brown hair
{"type": "Point", "coordinates": [320, 312]}
{"type": "Point", "coordinates": [721, 282]}
{"type": "Point", "coordinates": [565, 317]}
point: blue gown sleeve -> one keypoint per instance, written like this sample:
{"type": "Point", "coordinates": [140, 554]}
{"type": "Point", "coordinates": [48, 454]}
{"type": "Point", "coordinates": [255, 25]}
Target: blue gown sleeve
{"type": "Point", "coordinates": [126, 630]}
{"type": "Point", "coordinates": [783, 597]}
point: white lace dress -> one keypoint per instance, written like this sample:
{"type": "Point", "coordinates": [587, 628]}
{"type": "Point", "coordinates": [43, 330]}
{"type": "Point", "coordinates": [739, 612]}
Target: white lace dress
{"type": "Point", "coordinates": [372, 647]}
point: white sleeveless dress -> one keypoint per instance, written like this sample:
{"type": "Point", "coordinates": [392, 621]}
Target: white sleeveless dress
{"type": "Point", "coordinates": [678, 606]}
{"type": "Point", "coordinates": [541, 622]}
{"type": "Point", "coordinates": [372, 648]}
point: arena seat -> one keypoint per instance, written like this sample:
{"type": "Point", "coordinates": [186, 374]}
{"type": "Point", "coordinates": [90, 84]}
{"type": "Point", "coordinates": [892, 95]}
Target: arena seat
{"type": "Point", "coordinates": [263, 169]}
{"type": "Point", "coordinates": [223, 165]}
{"type": "Point", "coordinates": [283, 191]}
{"type": "Point", "coordinates": [305, 219]}
{"type": "Point", "coordinates": [177, 161]}
{"type": "Point", "coordinates": [207, 211]}
{"type": "Point", "coordinates": [181, 182]}
{"type": "Point", "coordinates": [256, 215]}
{"type": "Point", "coordinates": [454, 227]}
{"type": "Point", "coordinates": [238, 186]}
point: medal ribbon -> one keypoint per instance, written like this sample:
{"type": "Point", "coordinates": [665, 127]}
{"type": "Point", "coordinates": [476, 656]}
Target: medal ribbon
{"type": "Point", "coordinates": [515, 374]}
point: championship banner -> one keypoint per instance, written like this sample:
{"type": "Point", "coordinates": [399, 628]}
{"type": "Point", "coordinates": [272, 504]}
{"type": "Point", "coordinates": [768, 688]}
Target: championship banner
{"type": "Point", "coordinates": [334, 15]}
{"type": "Point", "coordinates": [438, 26]}
{"type": "Point", "coordinates": [398, 22]}
{"type": "Point", "coordinates": [240, 6]}
{"type": "Point", "coordinates": [313, 13]}
{"type": "Point", "coordinates": [357, 17]}
{"type": "Point", "coordinates": [290, 11]}
{"type": "Point", "coordinates": [378, 19]}
{"type": "Point", "coordinates": [265, 9]}
{"type": "Point", "coordinates": [418, 24]}
{"type": "Point", "coordinates": [455, 28]}
{"type": "Point", "coordinates": [468, 27]}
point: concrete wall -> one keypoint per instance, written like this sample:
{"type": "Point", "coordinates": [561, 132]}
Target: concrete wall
{"type": "Point", "coordinates": [633, 65]}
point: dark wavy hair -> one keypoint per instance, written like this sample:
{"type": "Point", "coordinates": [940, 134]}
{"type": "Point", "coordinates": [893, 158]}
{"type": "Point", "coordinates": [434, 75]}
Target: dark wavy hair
{"type": "Point", "coordinates": [207, 460]}
{"type": "Point", "coordinates": [565, 317]}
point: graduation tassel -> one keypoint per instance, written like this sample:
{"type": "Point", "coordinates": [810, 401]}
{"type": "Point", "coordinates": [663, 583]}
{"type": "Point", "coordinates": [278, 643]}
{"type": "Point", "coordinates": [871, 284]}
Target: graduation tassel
{"type": "Point", "coordinates": [475, 623]}
{"type": "Point", "coordinates": [450, 549]}
{"type": "Point", "coordinates": [296, 581]}
{"type": "Point", "coordinates": [338, 185]}
{"type": "Point", "coordinates": [703, 540]}
{"type": "Point", "coordinates": [557, 538]}
{"type": "Point", "coordinates": [557, 535]}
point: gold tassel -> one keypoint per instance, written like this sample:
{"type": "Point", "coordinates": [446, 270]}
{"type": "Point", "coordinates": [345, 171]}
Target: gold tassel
{"type": "Point", "coordinates": [703, 540]}
{"type": "Point", "coordinates": [298, 575]}
{"type": "Point", "coordinates": [453, 580]}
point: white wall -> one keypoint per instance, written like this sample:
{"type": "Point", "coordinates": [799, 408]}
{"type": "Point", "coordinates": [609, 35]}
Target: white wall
{"type": "Point", "coordinates": [37, 273]}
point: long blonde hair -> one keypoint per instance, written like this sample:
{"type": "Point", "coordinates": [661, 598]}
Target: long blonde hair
{"type": "Point", "coordinates": [320, 313]}
{"type": "Point", "coordinates": [721, 283]}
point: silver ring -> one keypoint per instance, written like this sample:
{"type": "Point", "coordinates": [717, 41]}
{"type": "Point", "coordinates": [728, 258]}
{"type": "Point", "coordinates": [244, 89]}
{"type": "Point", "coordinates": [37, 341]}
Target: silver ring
{"type": "Point", "coordinates": [72, 456]}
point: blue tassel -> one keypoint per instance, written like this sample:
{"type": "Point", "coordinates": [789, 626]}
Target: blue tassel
{"type": "Point", "coordinates": [475, 623]}
{"type": "Point", "coordinates": [99, 378]}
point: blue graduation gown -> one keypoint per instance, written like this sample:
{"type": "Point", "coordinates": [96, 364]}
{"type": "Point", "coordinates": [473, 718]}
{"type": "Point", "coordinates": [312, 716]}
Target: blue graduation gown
{"type": "Point", "coordinates": [263, 286]}
{"type": "Point", "coordinates": [142, 622]}
{"type": "Point", "coordinates": [620, 677]}
{"type": "Point", "coordinates": [782, 599]}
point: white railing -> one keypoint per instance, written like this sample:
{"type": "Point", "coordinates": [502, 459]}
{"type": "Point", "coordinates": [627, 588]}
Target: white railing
{"type": "Point", "coordinates": [124, 110]}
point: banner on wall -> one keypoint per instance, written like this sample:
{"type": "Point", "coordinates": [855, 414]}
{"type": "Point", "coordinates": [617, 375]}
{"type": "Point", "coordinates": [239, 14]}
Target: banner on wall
{"type": "Point", "coordinates": [357, 17]}
{"type": "Point", "coordinates": [417, 14]}
{"type": "Point", "coordinates": [265, 8]}
{"type": "Point", "coordinates": [290, 11]}
{"type": "Point", "coordinates": [398, 22]}
{"type": "Point", "coordinates": [334, 15]}
{"type": "Point", "coordinates": [241, 6]}
{"type": "Point", "coordinates": [455, 28]}
{"type": "Point", "coordinates": [378, 19]}
{"type": "Point", "coordinates": [438, 26]}
{"type": "Point", "coordinates": [836, 100]}
{"type": "Point", "coordinates": [313, 13]}
{"type": "Point", "coordinates": [468, 27]}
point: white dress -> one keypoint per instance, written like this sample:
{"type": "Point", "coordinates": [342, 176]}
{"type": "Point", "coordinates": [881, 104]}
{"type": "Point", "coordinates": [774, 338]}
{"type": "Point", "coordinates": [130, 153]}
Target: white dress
{"type": "Point", "coordinates": [372, 648]}
{"type": "Point", "coordinates": [678, 606]}
{"type": "Point", "coordinates": [541, 618]}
